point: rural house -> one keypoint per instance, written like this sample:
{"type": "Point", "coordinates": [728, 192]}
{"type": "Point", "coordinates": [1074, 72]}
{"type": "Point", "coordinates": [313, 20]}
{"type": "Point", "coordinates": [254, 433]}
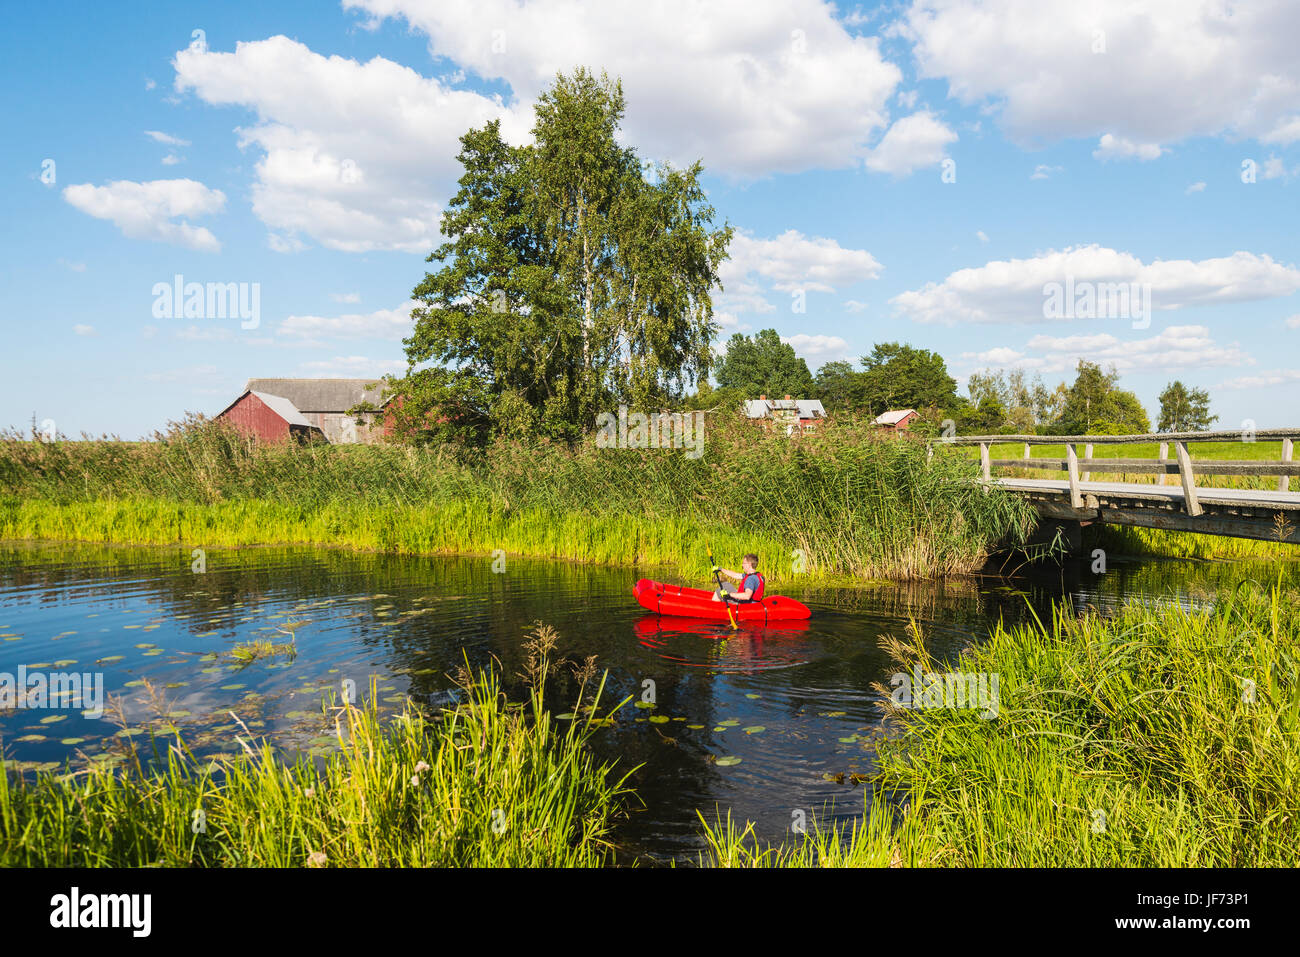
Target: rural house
{"type": "Point", "coordinates": [898, 419]}
{"type": "Point", "coordinates": [275, 410]}
{"type": "Point", "coordinates": [789, 414]}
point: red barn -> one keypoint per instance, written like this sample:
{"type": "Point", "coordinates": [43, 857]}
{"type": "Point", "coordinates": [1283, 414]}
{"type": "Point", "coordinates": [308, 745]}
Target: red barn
{"type": "Point", "coordinates": [269, 418]}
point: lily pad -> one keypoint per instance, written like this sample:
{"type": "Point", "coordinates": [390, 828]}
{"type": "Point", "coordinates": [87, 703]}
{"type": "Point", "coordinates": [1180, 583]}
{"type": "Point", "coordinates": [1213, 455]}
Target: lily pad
{"type": "Point", "coordinates": [755, 729]}
{"type": "Point", "coordinates": [728, 761]}
{"type": "Point", "coordinates": [659, 719]}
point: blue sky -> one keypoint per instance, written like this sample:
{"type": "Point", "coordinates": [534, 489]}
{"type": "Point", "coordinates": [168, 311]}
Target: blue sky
{"type": "Point", "coordinates": [917, 172]}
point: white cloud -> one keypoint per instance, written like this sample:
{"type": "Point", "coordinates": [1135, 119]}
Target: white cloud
{"type": "Point", "coordinates": [354, 366]}
{"type": "Point", "coordinates": [1196, 188]}
{"type": "Point", "coordinates": [820, 348]}
{"type": "Point", "coordinates": [147, 210]}
{"type": "Point", "coordinates": [167, 138]}
{"type": "Point", "coordinates": [788, 263]}
{"type": "Point", "coordinates": [83, 330]}
{"type": "Point", "coordinates": [191, 375]}
{"type": "Point", "coordinates": [794, 261]}
{"type": "Point", "coordinates": [171, 159]}
{"type": "Point", "coordinates": [347, 297]}
{"type": "Point", "coordinates": [853, 305]}
{"type": "Point", "coordinates": [358, 156]}
{"type": "Point", "coordinates": [914, 142]}
{"type": "Point", "coordinates": [1263, 380]}
{"type": "Point", "coordinates": [997, 356]}
{"type": "Point", "coordinates": [284, 244]}
{"type": "Point", "coordinates": [749, 88]}
{"type": "Point", "coordinates": [1173, 348]}
{"type": "Point", "coordinates": [981, 236]}
{"type": "Point", "coordinates": [1170, 70]}
{"type": "Point", "coordinates": [1043, 171]}
{"type": "Point", "coordinates": [1116, 147]}
{"type": "Point", "coordinates": [1286, 131]}
{"type": "Point", "coordinates": [393, 324]}
{"type": "Point", "coordinates": [196, 333]}
{"type": "Point", "coordinates": [1274, 168]}
{"type": "Point", "coordinates": [1293, 322]}
{"type": "Point", "coordinates": [1014, 290]}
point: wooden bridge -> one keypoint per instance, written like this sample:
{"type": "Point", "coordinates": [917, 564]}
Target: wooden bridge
{"type": "Point", "coordinates": [1271, 514]}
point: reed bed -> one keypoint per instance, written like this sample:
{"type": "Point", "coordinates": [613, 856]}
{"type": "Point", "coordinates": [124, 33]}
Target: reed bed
{"type": "Point", "coordinates": [486, 784]}
{"type": "Point", "coordinates": [1161, 737]}
{"type": "Point", "coordinates": [841, 502]}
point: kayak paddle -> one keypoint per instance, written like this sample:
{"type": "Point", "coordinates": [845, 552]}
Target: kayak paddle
{"type": "Point", "coordinates": [718, 578]}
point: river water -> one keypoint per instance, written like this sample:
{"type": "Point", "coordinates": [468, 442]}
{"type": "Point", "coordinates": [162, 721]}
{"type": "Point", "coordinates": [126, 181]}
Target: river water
{"type": "Point", "coordinates": [794, 705]}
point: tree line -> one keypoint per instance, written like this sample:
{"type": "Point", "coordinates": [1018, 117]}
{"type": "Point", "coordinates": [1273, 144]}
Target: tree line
{"type": "Point", "coordinates": [899, 376]}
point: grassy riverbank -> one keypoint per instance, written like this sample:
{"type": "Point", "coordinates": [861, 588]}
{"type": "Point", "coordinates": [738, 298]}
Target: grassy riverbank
{"type": "Point", "coordinates": [840, 503]}
{"type": "Point", "coordinates": [485, 785]}
{"type": "Point", "coordinates": [1162, 737]}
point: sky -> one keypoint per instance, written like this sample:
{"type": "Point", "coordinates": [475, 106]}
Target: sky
{"type": "Point", "coordinates": [945, 173]}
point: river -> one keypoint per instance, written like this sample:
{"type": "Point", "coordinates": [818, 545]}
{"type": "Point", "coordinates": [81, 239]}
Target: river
{"type": "Point", "coordinates": [794, 705]}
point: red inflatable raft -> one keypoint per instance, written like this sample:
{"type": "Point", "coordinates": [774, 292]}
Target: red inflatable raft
{"type": "Point", "coordinates": [698, 603]}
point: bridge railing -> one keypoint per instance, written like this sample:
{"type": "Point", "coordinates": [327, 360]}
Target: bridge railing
{"type": "Point", "coordinates": [1080, 468]}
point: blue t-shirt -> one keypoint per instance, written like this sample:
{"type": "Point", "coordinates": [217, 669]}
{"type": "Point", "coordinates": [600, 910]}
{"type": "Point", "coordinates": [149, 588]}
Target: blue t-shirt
{"type": "Point", "coordinates": [749, 583]}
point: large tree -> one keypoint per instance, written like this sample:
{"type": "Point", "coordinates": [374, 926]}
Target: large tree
{"type": "Point", "coordinates": [763, 365]}
{"type": "Point", "coordinates": [573, 278]}
{"type": "Point", "coordinates": [1184, 410]}
{"type": "Point", "coordinates": [1095, 405]}
{"type": "Point", "coordinates": [897, 376]}
{"type": "Point", "coordinates": [840, 387]}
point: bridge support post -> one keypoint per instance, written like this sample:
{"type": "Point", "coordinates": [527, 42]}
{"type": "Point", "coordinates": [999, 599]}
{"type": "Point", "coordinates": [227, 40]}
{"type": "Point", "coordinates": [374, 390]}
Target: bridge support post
{"type": "Point", "coordinates": [1087, 454]}
{"type": "Point", "coordinates": [984, 460]}
{"type": "Point", "coordinates": [1288, 449]}
{"type": "Point", "coordinates": [1072, 466]}
{"type": "Point", "coordinates": [1164, 454]}
{"type": "Point", "coordinates": [1189, 481]}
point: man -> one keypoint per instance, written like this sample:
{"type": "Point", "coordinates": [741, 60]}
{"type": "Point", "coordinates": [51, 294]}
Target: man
{"type": "Point", "coordinates": [751, 582]}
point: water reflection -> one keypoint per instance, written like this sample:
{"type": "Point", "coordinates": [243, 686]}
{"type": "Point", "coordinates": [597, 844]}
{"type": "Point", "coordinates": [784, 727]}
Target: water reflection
{"type": "Point", "coordinates": [764, 720]}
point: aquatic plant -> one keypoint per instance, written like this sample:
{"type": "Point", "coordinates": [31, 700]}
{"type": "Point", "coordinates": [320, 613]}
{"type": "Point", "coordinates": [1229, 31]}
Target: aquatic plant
{"type": "Point", "coordinates": [486, 783]}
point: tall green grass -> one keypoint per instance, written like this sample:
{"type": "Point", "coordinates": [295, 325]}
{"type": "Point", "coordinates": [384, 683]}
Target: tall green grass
{"type": "Point", "coordinates": [486, 784]}
{"type": "Point", "coordinates": [1135, 541]}
{"type": "Point", "coordinates": [1162, 737]}
{"type": "Point", "coordinates": [842, 502]}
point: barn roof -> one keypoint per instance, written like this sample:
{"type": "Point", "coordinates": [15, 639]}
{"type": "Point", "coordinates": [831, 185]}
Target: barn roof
{"type": "Point", "coordinates": [322, 395]}
{"type": "Point", "coordinates": [281, 407]}
{"type": "Point", "coordinates": [806, 408]}
{"type": "Point", "coordinates": [894, 417]}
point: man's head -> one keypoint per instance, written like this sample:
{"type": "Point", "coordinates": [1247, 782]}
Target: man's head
{"type": "Point", "coordinates": [750, 563]}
